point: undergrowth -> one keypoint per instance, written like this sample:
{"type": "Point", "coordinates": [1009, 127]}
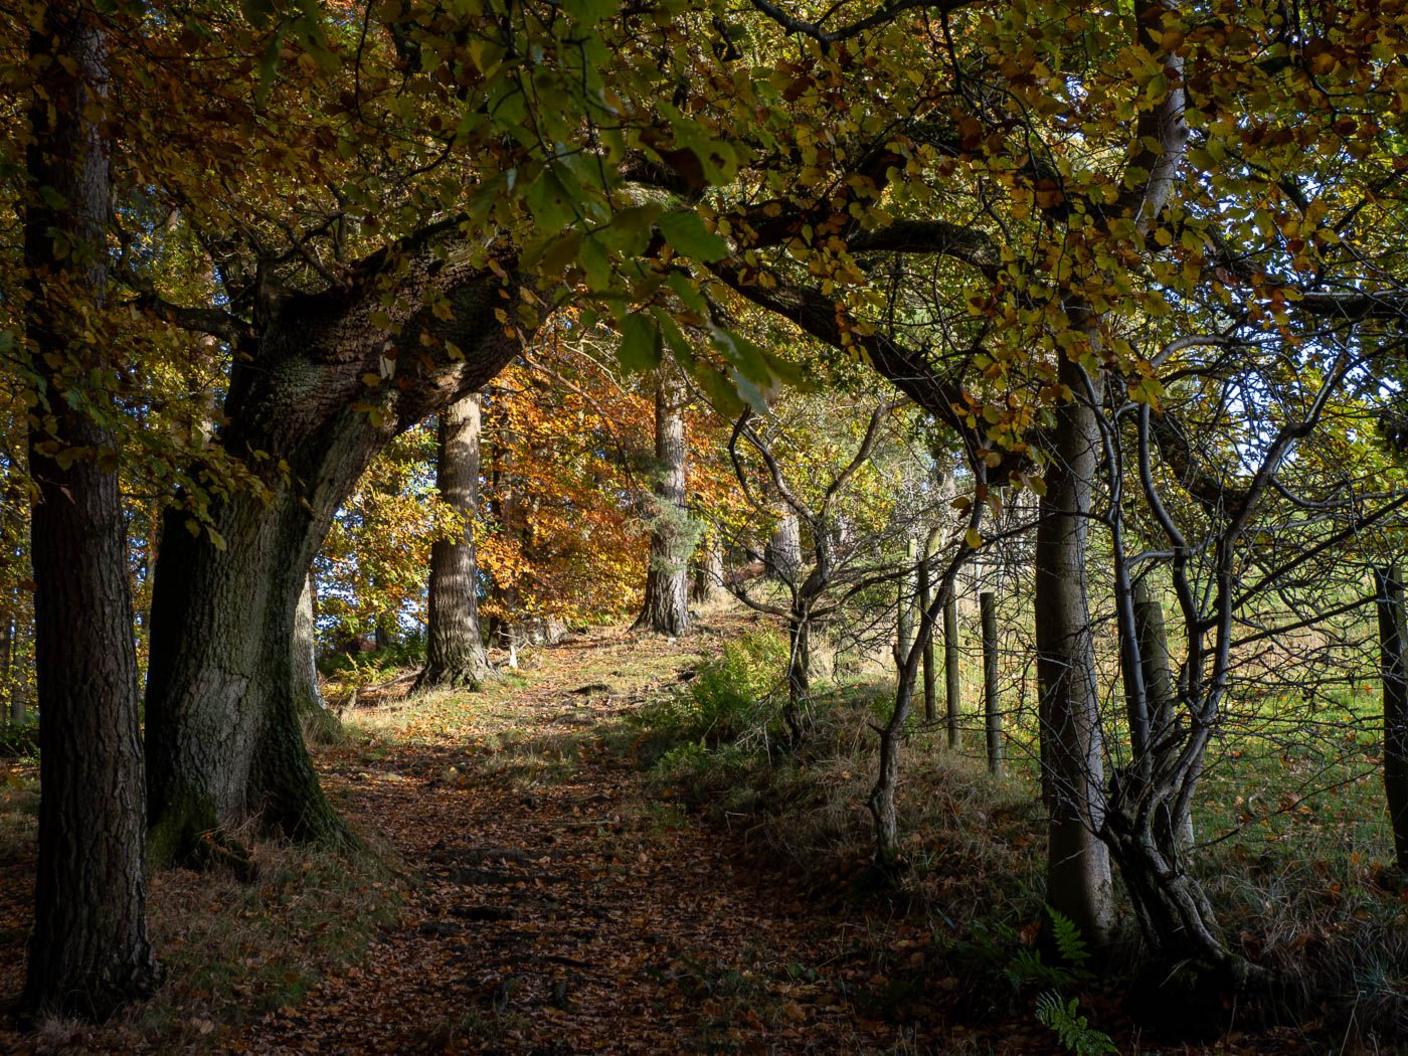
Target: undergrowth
{"type": "Point", "coordinates": [1303, 887]}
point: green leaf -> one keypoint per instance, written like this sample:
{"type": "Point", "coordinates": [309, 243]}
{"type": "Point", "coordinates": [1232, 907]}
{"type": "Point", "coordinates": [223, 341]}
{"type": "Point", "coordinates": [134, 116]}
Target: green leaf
{"type": "Point", "coordinates": [640, 343]}
{"type": "Point", "coordinates": [597, 264]}
{"type": "Point", "coordinates": [721, 392]}
{"type": "Point", "coordinates": [688, 235]}
{"type": "Point", "coordinates": [629, 230]}
{"type": "Point", "coordinates": [688, 292]}
{"type": "Point", "coordinates": [268, 65]}
{"type": "Point", "coordinates": [549, 201]}
{"type": "Point", "coordinates": [674, 338]}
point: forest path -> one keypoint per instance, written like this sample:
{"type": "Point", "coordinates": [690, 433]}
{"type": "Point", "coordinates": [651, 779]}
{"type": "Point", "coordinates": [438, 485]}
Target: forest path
{"type": "Point", "coordinates": [554, 908]}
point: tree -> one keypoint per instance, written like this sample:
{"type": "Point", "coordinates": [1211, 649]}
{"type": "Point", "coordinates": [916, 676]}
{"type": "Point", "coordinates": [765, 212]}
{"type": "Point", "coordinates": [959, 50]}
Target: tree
{"type": "Point", "coordinates": [454, 652]}
{"type": "Point", "coordinates": [220, 749]}
{"type": "Point", "coordinates": [1078, 881]}
{"type": "Point", "coordinates": [672, 535]}
{"type": "Point", "coordinates": [89, 952]}
{"type": "Point", "coordinates": [825, 485]}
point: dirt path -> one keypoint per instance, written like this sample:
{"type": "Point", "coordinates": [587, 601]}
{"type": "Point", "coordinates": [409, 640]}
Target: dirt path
{"type": "Point", "coordinates": [557, 910]}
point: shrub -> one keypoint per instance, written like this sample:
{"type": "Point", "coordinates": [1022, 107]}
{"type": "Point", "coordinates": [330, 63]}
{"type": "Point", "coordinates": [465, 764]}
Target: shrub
{"type": "Point", "coordinates": [732, 696]}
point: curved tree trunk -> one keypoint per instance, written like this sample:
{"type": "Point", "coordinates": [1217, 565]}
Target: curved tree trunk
{"type": "Point", "coordinates": [89, 951]}
{"type": "Point", "coordinates": [666, 608]}
{"type": "Point", "coordinates": [1078, 863]}
{"type": "Point", "coordinates": [455, 654]}
{"type": "Point", "coordinates": [223, 739]}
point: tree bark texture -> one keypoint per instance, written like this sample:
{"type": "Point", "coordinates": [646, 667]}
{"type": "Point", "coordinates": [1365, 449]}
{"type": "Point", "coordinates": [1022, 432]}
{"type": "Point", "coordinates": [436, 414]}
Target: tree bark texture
{"type": "Point", "coordinates": [89, 951]}
{"type": "Point", "coordinates": [1078, 863]}
{"type": "Point", "coordinates": [223, 740]}
{"type": "Point", "coordinates": [455, 654]}
{"type": "Point", "coordinates": [666, 607]}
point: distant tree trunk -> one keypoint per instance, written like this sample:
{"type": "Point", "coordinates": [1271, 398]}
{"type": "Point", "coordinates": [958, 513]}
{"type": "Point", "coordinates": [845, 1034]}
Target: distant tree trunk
{"type": "Point", "coordinates": [319, 724]}
{"type": "Point", "coordinates": [953, 697]}
{"type": "Point", "coordinates": [89, 952]}
{"type": "Point", "coordinates": [385, 632]}
{"type": "Point", "coordinates": [308, 695]}
{"type": "Point", "coordinates": [783, 556]}
{"type": "Point", "coordinates": [223, 733]}
{"type": "Point", "coordinates": [19, 686]}
{"type": "Point", "coordinates": [666, 608]}
{"type": "Point", "coordinates": [708, 574]}
{"type": "Point", "coordinates": [7, 663]}
{"type": "Point", "coordinates": [926, 596]}
{"type": "Point", "coordinates": [992, 717]}
{"type": "Point", "coordinates": [455, 654]}
{"type": "Point", "coordinates": [904, 604]}
{"type": "Point", "coordinates": [1389, 587]}
{"type": "Point", "coordinates": [1078, 863]}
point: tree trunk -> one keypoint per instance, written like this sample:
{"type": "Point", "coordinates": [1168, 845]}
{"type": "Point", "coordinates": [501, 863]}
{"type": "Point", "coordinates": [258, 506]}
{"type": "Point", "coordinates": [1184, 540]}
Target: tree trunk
{"type": "Point", "coordinates": [455, 654]}
{"type": "Point", "coordinates": [1078, 863]}
{"type": "Point", "coordinates": [1389, 588]}
{"type": "Point", "coordinates": [7, 663]}
{"type": "Point", "coordinates": [19, 688]}
{"type": "Point", "coordinates": [799, 674]}
{"type": "Point", "coordinates": [1158, 689]}
{"type": "Point", "coordinates": [952, 690]}
{"type": "Point", "coordinates": [666, 608]}
{"type": "Point", "coordinates": [223, 736]}
{"type": "Point", "coordinates": [926, 597]}
{"type": "Point", "coordinates": [308, 694]}
{"type": "Point", "coordinates": [992, 717]}
{"type": "Point", "coordinates": [89, 951]}
{"type": "Point", "coordinates": [319, 724]}
{"type": "Point", "coordinates": [783, 556]}
{"type": "Point", "coordinates": [904, 604]}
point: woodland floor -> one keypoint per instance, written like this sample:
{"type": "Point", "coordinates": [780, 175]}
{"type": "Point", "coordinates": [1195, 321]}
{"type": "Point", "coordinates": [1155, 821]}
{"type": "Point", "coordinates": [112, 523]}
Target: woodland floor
{"type": "Point", "coordinates": [559, 910]}
{"type": "Point", "coordinates": [544, 903]}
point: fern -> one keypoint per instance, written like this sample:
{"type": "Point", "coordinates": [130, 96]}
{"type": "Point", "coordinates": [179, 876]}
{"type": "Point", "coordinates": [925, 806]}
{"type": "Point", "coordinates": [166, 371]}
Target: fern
{"type": "Point", "coordinates": [1028, 969]}
{"type": "Point", "coordinates": [1073, 1030]}
{"type": "Point", "coordinates": [1069, 943]}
